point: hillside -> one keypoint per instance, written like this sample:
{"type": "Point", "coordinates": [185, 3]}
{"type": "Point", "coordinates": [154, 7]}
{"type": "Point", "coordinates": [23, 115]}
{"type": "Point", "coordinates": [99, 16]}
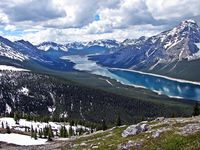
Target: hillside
{"type": "Point", "coordinates": [161, 133]}
{"type": "Point", "coordinates": [39, 94]}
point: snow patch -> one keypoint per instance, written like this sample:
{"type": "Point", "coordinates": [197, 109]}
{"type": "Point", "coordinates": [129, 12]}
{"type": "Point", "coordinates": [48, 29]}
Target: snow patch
{"type": "Point", "coordinates": [8, 109]}
{"type": "Point", "coordinates": [198, 45]}
{"type": "Point", "coordinates": [24, 90]}
{"type": "Point", "coordinates": [20, 139]}
{"type": "Point", "coordinates": [109, 82]}
{"type": "Point", "coordinates": [11, 68]}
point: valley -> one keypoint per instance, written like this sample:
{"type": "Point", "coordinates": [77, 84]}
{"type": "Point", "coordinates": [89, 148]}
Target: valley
{"type": "Point", "coordinates": [160, 84]}
{"type": "Point", "coordinates": [95, 83]}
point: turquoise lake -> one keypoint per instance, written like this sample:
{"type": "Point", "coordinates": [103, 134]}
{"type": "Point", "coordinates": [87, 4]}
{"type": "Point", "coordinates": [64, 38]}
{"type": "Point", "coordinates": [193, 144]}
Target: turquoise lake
{"type": "Point", "coordinates": [158, 84]}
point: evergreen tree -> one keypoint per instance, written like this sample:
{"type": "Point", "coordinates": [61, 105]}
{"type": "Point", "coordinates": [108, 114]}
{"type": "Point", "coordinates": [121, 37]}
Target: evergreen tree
{"type": "Point", "coordinates": [56, 132]}
{"type": "Point", "coordinates": [61, 131]}
{"type": "Point", "coordinates": [72, 123]}
{"type": "Point", "coordinates": [8, 128]}
{"type": "Point", "coordinates": [80, 131]}
{"type": "Point", "coordinates": [26, 129]}
{"type": "Point", "coordinates": [2, 125]}
{"type": "Point", "coordinates": [36, 130]}
{"type": "Point", "coordinates": [118, 121]}
{"type": "Point", "coordinates": [104, 127]}
{"type": "Point", "coordinates": [32, 131]}
{"type": "Point", "coordinates": [173, 115]}
{"type": "Point", "coordinates": [45, 131]}
{"type": "Point", "coordinates": [35, 135]}
{"type": "Point", "coordinates": [70, 131]}
{"type": "Point", "coordinates": [40, 133]}
{"type": "Point", "coordinates": [16, 117]}
{"type": "Point", "coordinates": [65, 134]}
{"type": "Point", "coordinates": [196, 110]}
{"type": "Point", "coordinates": [50, 134]}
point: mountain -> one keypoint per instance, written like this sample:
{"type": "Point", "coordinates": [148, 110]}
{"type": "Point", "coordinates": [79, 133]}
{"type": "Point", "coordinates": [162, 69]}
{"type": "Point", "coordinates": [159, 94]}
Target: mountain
{"type": "Point", "coordinates": [25, 55]}
{"type": "Point", "coordinates": [7, 50]}
{"type": "Point", "coordinates": [81, 48]}
{"type": "Point", "coordinates": [163, 53]}
{"type": "Point", "coordinates": [46, 46]}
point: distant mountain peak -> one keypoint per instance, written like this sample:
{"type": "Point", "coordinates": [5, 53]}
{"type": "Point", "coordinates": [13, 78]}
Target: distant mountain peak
{"type": "Point", "coordinates": [189, 21]}
{"type": "Point", "coordinates": [187, 25]}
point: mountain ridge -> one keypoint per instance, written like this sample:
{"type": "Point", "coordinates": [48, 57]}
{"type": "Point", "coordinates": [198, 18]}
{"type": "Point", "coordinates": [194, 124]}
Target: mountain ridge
{"type": "Point", "coordinates": [169, 49]}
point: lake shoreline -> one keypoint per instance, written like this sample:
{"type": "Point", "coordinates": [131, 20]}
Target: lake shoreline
{"type": "Point", "coordinates": [157, 75]}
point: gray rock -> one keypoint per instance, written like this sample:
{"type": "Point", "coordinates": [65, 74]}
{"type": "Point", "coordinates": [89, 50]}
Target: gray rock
{"type": "Point", "coordinates": [159, 131]}
{"type": "Point", "coordinates": [129, 145]}
{"type": "Point", "coordinates": [190, 128]}
{"type": "Point", "coordinates": [135, 129]}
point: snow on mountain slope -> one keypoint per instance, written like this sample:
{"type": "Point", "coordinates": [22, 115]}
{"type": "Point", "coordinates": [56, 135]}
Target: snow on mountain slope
{"type": "Point", "coordinates": [104, 43]}
{"type": "Point", "coordinates": [45, 46]}
{"type": "Point", "coordinates": [11, 68]}
{"type": "Point", "coordinates": [169, 46]}
{"type": "Point", "coordinates": [7, 51]}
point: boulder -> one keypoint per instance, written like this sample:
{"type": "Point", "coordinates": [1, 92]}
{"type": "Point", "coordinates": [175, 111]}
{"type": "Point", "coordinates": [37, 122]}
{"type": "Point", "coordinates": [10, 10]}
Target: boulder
{"type": "Point", "coordinates": [135, 129]}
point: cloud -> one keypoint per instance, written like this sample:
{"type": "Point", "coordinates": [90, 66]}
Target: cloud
{"type": "Point", "coordinates": [173, 9]}
{"type": "Point", "coordinates": [10, 28]}
{"type": "Point", "coordinates": [72, 20]}
{"type": "Point", "coordinates": [33, 10]}
{"type": "Point", "coordinates": [130, 12]}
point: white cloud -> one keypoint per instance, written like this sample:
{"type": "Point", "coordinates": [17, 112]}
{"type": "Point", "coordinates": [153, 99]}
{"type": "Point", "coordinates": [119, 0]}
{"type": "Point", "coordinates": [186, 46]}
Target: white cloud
{"type": "Point", "coordinates": [173, 9]}
{"type": "Point", "coordinates": [10, 28]}
{"type": "Point", "coordinates": [72, 20]}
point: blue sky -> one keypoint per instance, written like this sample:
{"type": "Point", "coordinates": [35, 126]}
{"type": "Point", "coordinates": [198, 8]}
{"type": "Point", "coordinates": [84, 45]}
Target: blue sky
{"type": "Point", "coordinates": [84, 20]}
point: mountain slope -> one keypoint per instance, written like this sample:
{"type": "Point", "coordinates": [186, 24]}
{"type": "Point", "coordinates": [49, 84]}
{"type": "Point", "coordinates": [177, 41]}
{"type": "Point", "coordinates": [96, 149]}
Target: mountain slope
{"type": "Point", "coordinates": [157, 52]}
{"type": "Point", "coordinates": [81, 48]}
{"type": "Point", "coordinates": [24, 54]}
{"type": "Point", "coordinates": [38, 94]}
{"type": "Point", "coordinates": [161, 133]}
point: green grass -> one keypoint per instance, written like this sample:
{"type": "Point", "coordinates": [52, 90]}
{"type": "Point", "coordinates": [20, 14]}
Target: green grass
{"type": "Point", "coordinates": [168, 140]}
{"type": "Point", "coordinates": [172, 141]}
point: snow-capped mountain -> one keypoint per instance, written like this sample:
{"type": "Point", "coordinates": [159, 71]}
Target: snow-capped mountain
{"type": "Point", "coordinates": [162, 53]}
{"type": "Point", "coordinates": [46, 46]}
{"type": "Point", "coordinates": [23, 54]}
{"type": "Point", "coordinates": [106, 44]}
{"type": "Point", "coordinates": [177, 44]}
{"type": "Point", "coordinates": [128, 42]}
{"type": "Point", "coordinates": [7, 50]}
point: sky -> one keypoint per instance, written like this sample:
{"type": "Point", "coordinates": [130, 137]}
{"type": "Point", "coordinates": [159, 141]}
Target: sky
{"type": "Point", "coordinates": [65, 21]}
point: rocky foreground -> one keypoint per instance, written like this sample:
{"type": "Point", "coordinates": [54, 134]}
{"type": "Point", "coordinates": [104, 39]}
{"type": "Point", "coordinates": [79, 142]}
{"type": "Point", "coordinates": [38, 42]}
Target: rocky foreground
{"type": "Point", "coordinates": [161, 133]}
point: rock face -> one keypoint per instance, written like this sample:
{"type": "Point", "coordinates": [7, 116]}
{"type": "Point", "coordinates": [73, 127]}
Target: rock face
{"type": "Point", "coordinates": [135, 129]}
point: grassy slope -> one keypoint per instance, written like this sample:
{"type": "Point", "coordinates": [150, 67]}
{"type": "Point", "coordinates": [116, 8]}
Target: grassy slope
{"type": "Point", "coordinates": [168, 140]}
